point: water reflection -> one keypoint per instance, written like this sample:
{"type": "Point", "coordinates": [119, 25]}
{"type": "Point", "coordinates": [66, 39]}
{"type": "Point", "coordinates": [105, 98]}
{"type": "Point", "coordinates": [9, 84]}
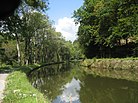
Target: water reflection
{"type": "Point", "coordinates": [50, 80]}
{"type": "Point", "coordinates": [69, 84]}
{"type": "Point", "coordinates": [106, 90]}
{"type": "Point", "coordinates": [70, 92]}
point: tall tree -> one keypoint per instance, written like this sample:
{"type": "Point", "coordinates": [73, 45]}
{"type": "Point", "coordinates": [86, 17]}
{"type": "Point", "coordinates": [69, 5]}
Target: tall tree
{"type": "Point", "coordinates": [14, 24]}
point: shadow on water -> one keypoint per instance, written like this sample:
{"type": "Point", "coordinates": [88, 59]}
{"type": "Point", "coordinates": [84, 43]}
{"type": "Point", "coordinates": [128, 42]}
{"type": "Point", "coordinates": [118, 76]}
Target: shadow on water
{"type": "Point", "coordinates": [67, 83]}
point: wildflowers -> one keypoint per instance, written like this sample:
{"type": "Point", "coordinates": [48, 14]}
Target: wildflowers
{"type": "Point", "coordinates": [23, 95]}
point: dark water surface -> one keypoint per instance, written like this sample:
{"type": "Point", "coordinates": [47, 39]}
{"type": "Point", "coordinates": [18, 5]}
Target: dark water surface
{"type": "Point", "coordinates": [69, 84]}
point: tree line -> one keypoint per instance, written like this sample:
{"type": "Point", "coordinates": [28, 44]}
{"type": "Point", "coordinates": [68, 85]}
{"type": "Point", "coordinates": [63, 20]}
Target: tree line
{"type": "Point", "coordinates": [108, 28]}
{"type": "Point", "coordinates": [28, 37]}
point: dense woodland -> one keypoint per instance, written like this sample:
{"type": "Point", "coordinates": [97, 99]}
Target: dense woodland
{"type": "Point", "coordinates": [28, 37]}
{"type": "Point", "coordinates": [108, 28]}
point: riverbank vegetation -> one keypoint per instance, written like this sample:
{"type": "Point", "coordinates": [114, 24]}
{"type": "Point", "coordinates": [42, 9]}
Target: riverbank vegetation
{"type": "Point", "coordinates": [19, 90]}
{"type": "Point", "coordinates": [113, 68]}
{"type": "Point", "coordinates": [109, 29]}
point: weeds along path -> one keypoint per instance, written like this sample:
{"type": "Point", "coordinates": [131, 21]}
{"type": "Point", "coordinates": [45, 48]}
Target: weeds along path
{"type": "Point", "coordinates": [2, 85]}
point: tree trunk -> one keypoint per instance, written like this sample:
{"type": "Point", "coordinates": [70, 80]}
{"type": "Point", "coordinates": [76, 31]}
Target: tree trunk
{"type": "Point", "coordinates": [47, 64]}
{"type": "Point", "coordinates": [126, 41]}
{"type": "Point", "coordinates": [26, 52]}
{"type": "Point", "coordinates": [34, 51]}
{"type": "Point", "coordinates": [58, 57]}
{"type": "Point", "coordinates": [18, 49]}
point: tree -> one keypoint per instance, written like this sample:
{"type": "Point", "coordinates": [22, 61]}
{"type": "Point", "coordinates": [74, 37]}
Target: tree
{"type": "Point", "coordinates": [104, 24]}
{"type": "Point", "coordinates": [14, 24]}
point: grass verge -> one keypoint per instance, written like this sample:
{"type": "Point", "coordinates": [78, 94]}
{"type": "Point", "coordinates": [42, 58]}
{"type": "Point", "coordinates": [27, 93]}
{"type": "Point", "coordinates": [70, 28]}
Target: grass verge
{"type": "Point", "coordinates": [19, 90]}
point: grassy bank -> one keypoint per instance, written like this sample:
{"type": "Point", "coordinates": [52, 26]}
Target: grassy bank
{"type": "Point", "coordinates": [114, 68]}
{"type": "Point", "coordinates": [19, 90]}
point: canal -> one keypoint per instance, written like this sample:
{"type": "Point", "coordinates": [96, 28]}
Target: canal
{"type": "Point", "coordinates": [68, 83]}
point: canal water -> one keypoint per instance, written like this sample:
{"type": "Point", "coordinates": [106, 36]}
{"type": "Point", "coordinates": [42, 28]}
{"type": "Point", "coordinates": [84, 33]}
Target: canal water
{"type": "Point", "coordinates": [68, 83]}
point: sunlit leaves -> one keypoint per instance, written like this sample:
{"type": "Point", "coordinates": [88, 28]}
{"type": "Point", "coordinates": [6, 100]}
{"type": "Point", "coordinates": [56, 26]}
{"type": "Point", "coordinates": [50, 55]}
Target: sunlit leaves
{"type": "Point", "coordinates": [105, 23]}
{"type": "Point", "coordinates": [38, 4]}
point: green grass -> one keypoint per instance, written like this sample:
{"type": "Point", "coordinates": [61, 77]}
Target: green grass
{"type": "Point", "coordinates": [19, 90]}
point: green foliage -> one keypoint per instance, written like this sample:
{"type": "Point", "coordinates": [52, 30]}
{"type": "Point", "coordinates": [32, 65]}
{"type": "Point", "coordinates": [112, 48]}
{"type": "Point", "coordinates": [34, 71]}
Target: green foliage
{"type": "Point", "coordinates": [5, 68]}
{"type": "Point", "coordinates": [104, 24]}
{"type": "Point", "coordinates": [8, 52]}
{"type": "Point", "coordinates": [15, 27]}
{"type": "Point", "coordinates": [39, 4]}
{"type": "Point", "coordinates": [10, 48]}
{"type": "Point", "coordinates": [38, 41]}
{"type": "Point", "coordinates": [29, 38]}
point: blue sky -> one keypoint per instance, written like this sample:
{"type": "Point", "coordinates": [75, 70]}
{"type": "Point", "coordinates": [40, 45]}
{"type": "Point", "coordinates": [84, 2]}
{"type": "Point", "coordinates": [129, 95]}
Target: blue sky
{"type": "Point", "coordinates": [62, 8]}
{"type": "Point", "coordinates": [61, 11]}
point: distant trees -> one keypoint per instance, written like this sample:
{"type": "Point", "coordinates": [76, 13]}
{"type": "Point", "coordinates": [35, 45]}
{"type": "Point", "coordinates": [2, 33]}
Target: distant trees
{"type": "Point", "coordinates": [108, 28]}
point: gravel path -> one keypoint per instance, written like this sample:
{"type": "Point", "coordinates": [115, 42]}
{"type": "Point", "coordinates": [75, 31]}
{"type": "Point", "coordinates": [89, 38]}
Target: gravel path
{"type": "Point", "coordinates": [2, 85]}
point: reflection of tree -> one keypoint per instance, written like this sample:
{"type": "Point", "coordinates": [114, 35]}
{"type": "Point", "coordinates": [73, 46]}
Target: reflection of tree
{"type": "Point", "coordinates": [105, 90]}
{"type": "Point", "coordinates": [50, 80]}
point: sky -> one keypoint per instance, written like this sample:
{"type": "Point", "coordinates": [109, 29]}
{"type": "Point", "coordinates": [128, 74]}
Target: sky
{"type": "Point", "coordinates": [61, 12]}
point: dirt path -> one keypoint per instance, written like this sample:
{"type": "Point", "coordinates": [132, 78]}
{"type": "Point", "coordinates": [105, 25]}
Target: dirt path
{"type": "Point", "coordinates": [2, 85]}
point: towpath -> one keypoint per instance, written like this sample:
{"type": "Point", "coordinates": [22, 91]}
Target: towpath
{"type": "Point", "coordinates": [2, 85]}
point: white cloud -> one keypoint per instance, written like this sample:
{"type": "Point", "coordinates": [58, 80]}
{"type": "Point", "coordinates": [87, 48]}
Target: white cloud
{"type": "Point", "coordinates": [67, 28]}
